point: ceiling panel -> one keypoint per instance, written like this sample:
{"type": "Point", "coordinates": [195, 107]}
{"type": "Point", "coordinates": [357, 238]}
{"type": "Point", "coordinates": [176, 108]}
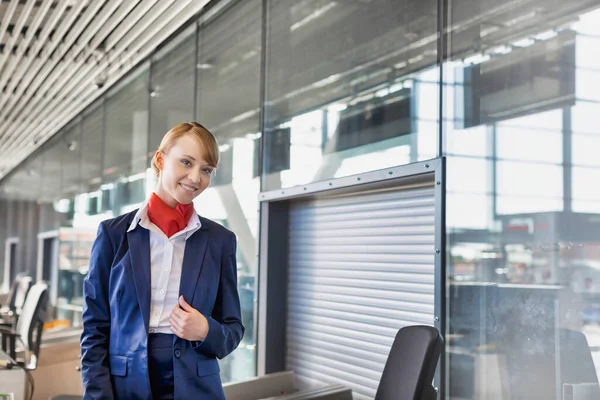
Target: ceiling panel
{"type": "Point", "coordinates": [53, 53]}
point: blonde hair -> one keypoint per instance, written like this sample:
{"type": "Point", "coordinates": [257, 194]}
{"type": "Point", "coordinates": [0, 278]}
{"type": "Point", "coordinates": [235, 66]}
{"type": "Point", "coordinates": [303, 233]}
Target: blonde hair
{"type": "Point", "coordinates": [209, 143]}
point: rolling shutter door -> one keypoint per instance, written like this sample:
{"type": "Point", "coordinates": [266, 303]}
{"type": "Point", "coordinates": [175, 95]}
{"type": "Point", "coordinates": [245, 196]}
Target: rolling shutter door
{"type": "Point", "coordinates": [360, 268]}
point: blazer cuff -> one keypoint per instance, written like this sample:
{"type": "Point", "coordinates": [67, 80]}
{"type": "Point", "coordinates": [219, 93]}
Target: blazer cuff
{"type": "Point", "coordinates": [212, 341]}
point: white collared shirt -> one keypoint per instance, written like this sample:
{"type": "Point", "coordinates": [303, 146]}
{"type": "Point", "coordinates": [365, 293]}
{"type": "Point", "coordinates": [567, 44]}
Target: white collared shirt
{"type": "Point", "coordinates": [166, 260]}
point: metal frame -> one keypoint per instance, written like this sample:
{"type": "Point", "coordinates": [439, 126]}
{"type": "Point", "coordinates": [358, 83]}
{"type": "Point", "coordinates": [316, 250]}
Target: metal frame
{"type": "Point", "coordinates": [442, 259]}
{"type": "Point", "coordinates": [273, 265]}
{"type": "Point", "coordinates": [7, 259]}
{"type": "Point", "coordinates": [350, 183]}
{"type": "Point", "coordinates": [54, 234]}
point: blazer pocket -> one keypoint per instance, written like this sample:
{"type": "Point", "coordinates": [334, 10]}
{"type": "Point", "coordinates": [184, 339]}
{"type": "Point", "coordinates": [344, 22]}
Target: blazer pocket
{"type": "Point", "coordinates": [118, 365]}
{"type": "Point", "coordinates": [206, 367]}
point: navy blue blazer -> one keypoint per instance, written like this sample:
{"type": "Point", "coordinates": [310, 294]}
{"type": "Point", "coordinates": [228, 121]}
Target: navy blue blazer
{"type": "Point", "coordinates": [116, 311]}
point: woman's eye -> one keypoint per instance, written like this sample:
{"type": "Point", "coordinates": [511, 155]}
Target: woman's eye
{"type": "Point", "coordinates": [186, 162]}
{"type": "Point", "coordinates": [208, 171]}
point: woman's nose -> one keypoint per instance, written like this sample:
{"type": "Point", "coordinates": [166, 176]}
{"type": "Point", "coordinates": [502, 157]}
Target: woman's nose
{"type": "Point", "coordinates": [195, 176]}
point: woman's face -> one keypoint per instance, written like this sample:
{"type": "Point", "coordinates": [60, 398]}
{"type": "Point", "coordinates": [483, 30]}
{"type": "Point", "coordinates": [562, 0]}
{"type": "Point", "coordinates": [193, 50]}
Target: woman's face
{"type": "Point", "coordinates": [184, 173]}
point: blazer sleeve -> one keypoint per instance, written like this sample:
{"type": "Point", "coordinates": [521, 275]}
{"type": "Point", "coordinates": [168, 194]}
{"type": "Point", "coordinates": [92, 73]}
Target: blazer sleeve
{"type": "Point", "coordinates": [225, 329]}
{"type": "Point", "coordinates": [96, 320]}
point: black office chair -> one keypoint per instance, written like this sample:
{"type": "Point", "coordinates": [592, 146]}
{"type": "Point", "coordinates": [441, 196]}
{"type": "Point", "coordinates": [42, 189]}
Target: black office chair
{"type": "Point", "coordinates": [410, 367]}
{"type": "Point", "coordinates": [29, 327]}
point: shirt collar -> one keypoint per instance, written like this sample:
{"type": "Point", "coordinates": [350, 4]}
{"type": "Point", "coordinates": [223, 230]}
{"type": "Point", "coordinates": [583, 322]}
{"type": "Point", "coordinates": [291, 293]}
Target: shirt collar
{"type": "Point", "coordinates": [141, 218]}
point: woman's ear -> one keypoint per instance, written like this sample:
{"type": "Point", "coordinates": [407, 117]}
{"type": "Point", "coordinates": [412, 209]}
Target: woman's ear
{"type": "Point", "coordinates": [159, 160]}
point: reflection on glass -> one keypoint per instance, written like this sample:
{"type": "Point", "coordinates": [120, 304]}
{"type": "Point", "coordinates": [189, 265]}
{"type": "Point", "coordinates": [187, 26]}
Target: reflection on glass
{"type": "Point", "coordinates": [126, 140]}
{"type": "Point", "coordinates": [66, 279]}
{"type": "Point", "coordinates": [171, 87]}
{"type": "Point", "coordinates": [228, 104]}
{"type": "Point", "coordinates": [522, 208]}
{"type": "Point", "coordinates": [345, 88]}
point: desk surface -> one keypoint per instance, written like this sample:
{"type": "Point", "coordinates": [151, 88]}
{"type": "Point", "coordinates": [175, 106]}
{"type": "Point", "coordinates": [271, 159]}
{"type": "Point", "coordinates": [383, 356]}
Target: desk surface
{"type": "Point", "coordinates": [12, 380]}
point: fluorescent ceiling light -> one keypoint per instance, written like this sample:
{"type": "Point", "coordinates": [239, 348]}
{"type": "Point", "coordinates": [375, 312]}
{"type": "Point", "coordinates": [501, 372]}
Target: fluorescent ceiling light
{"type": "Point", "coordinates": [523, 42]}
{"type": "Point", "coordinates": [312, 16]}
{"type": "Point", "coordinates": [546, 35]}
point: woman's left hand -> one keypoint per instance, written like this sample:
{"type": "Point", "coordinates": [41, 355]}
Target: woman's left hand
{"type": "Point", "coordinates": [187, 322]}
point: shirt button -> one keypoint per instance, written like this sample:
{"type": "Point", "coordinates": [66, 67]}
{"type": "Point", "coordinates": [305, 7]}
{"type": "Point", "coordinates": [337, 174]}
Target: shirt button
{"type": "Point", "coordinates": [177, 353]}
{"type": "Point", "coordinates": [151, 330]}
{"type": "Point", "coordinates": [166, 269]}
{"type": "Point", "coordinates": [162, 292]}
{"type": "Point", "coordinates": [157, 314]}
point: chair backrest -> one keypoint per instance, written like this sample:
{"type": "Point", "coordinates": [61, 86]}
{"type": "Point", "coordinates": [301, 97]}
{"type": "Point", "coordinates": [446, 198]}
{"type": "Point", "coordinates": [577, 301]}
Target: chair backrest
{"type": "Point", "coordinates": [31, 321]}
{"type": "Point", "coordinates": [18, 292]}
{"type": "Point", "coordinates": [410, 367]}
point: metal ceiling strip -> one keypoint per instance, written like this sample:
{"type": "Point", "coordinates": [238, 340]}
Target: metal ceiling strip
{"type": "Point", "coordinates": [94, 26]}
{"type": "Point", "coordinates": [40, 42]}
{"type": "Point", "coordinates": [54, 94]}
{"type": "Point", "coordinates": [118, 18]}
{"type": "Point", "coordinates": [25, 44]}
{"type": "Point", "coordinates": [10, 11]}
{"type": "Point", "coordinates": [128, 23]}
{"type": "Point", "coordinates": [132, 47]}
{"type": "Point", "coordinates": [16, 33]}
{"type": "Point", "coordinates": [157, 12]}
{"type": "Point", "coordinates": [41, 95]}
{"type": "Point", "coordinates": [56, 68]}
{"type": "Point", "coordinates": [34, 75]}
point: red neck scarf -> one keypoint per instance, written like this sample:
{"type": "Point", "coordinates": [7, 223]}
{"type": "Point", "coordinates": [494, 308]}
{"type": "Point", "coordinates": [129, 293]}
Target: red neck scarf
{"type": "Point", "coordinates": [169, 220]}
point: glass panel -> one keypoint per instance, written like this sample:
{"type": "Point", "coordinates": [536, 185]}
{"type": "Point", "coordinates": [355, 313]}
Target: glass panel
{"type": "Point", "coordinates": [228, 70]}
{"type": "Point", "coordinates": [52, 170]}
{"type": "Point", "coordinates": [92, 140]}
{"type": "Point", "coordinates": [24, 183]}
{"type": "Point", "coordinates": [126, 139]}
{"type": "Point", "coordinates": [521, 107]}
{"type": "Point", "coordinates": [172, 88]}
{"type": "Point", "coordinates": [350, 87]}
{"type": "Point", "coordinates": [228, 99]}
{"type": "Point", "coordinates": [72, 263]}
{"type": "Point", "coordinates": [71, 160]}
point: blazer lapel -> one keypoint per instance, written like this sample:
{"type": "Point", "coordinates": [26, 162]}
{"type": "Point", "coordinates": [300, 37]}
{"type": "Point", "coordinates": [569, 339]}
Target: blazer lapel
{"type": "Point", "coordinates": [193, 258]}
{"type": "Point", "coordinates": [139, 250]}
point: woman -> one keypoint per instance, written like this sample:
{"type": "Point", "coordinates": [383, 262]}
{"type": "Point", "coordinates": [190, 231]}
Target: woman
{"type": "Point", "coordinates": [160, 298]}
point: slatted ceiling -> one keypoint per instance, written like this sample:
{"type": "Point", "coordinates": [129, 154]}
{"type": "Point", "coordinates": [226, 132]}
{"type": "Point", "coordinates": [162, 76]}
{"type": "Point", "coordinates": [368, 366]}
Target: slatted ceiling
{"type": "Point", "coordinates": [360, 267]}
{"type": "Point", "coordinates": [48, 88]}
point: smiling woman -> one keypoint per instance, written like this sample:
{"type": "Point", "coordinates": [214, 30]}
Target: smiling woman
{"type": "Point", "coordinates": [184, 163]}
{"type": "Point", "coordinates": [183, 310]}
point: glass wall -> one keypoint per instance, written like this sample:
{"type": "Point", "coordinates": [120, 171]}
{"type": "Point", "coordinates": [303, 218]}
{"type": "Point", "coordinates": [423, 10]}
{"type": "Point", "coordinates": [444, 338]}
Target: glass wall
{"type": "Point", "coordinates": [350, 87]}
{"type": "Point", "coordinates": [228, 104]}
{"type": "Point", "coordinates": [126, 137]}
{"type": "Point", "coordinates": [97, 166]}
{"type": "Point", "coordinates": [520, 93]}
{"type": "Point", "coordinates": [172, 87]}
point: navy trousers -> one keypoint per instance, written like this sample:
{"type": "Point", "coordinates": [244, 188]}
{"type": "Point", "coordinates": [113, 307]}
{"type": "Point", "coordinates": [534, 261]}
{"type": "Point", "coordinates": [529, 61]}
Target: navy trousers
{"type": "Point", "coordinates": [160, 365]}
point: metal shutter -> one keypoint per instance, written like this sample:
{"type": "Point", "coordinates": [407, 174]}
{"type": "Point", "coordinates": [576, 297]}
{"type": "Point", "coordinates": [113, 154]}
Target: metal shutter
{"type": "Point", "coordinates": [360, 268]}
